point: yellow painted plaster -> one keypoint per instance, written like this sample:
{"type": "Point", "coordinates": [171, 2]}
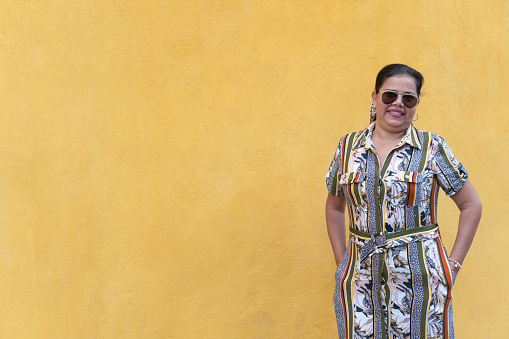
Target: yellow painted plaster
{"type": "Point", "coordinates": [162, 162]}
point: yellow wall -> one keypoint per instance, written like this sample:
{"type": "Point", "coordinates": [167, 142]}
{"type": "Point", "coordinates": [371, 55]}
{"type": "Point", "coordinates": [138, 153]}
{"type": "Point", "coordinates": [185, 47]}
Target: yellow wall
{"type": "Point", "coordinates": [162, 162]}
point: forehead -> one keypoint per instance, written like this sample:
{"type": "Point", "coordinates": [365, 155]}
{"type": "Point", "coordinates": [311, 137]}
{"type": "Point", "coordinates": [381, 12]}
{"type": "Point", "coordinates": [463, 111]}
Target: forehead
{"type": "Point", "coordinates": [400, 83]}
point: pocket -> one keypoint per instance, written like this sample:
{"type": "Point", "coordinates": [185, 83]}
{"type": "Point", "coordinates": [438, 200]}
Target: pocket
{"type": "Point", "coordinates": [403, 186]}
{"type": "Point", "coordinates": [447, 265]}
{"type": "Point", "coordinates": [354, 184]}
{"type": "Point", "coordinates": [453, 276]}
{"type": "Point", "coordinates": [340, 270]}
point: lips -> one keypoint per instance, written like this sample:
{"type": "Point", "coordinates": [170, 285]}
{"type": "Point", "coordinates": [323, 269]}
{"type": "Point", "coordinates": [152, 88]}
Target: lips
{"type": "Point", "coordinates": [395, 113]}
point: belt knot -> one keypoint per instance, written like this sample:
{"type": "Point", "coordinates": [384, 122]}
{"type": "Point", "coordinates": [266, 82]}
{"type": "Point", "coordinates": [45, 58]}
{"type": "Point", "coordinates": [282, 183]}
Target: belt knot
{"type": "Point", "coordinates": [382, 241]}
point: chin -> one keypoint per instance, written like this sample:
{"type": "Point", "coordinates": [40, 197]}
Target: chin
{"type": "Point", "coordinates": [392, 126]}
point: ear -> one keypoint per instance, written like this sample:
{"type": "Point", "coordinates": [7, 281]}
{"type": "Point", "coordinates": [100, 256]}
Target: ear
{"type": "Point", "coordinates": [373, 96]}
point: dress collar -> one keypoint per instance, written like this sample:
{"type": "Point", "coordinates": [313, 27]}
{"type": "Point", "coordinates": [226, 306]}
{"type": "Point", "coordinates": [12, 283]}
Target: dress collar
{"type": "Point", "coordinates": [411, 137]}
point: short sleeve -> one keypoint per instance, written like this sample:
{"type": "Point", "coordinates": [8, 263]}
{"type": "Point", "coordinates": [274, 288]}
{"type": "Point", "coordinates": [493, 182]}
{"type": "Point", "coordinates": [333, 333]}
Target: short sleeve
{"type": "Point", "coordinates": [450, 172]}
{"type": "Point", "coordinates": [332, 175]}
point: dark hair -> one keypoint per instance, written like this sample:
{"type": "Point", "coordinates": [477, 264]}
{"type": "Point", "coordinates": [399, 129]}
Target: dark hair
{"type": "Point", "coordinates": [398, 69]}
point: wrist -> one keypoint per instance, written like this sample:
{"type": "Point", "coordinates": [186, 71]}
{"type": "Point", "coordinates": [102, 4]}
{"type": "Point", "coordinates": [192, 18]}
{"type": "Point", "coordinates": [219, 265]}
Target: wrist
{"type": "Point", "coordinates": [455, 264]}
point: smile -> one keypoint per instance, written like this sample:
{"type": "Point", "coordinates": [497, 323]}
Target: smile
{"type": "Point", "coordinates": [395, 113]}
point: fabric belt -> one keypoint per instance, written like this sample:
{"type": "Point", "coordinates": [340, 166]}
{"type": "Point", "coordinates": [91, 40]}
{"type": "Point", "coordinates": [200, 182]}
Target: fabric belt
{"type": "Point", "coordinates": [380, 242]}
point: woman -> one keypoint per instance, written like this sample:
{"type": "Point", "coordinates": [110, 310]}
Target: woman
{"type": "Point", "coordinates": [394, 279]}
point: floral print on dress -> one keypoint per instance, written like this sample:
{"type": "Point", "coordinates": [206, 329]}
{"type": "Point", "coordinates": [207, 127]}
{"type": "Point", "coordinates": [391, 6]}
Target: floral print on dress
{"type": "Point", "coordinates": [390, 292]}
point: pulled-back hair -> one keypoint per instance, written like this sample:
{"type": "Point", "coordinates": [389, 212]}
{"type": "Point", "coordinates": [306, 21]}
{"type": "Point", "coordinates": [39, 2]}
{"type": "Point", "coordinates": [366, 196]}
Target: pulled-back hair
{"type": "Point", "coordinates": [398, 69]}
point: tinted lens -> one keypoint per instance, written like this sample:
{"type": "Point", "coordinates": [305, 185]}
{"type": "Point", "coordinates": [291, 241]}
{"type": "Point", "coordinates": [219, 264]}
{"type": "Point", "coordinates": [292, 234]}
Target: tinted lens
{"type": "Point", "coordinates": [409, 100]}
{"type": "Point", "coordinates": [389, 97]}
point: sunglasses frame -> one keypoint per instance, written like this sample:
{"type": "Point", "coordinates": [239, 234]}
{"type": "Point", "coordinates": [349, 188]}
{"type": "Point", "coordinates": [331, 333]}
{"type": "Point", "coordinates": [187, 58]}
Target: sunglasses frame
{"type": "Point", "coordinates": [402, 94]}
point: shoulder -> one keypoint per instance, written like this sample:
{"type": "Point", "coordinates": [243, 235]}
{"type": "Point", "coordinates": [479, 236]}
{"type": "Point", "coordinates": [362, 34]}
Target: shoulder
{"type": "Point", "coordinates": [430, 135]}
{"type": "Point", "coordinates": [355, 136]}
{"type": "Point", "coordinates": [438, 146]}
{"type": "Point", "coordinates": [437, 140]}
{"type": "Point", "coordinates": [433, 138]}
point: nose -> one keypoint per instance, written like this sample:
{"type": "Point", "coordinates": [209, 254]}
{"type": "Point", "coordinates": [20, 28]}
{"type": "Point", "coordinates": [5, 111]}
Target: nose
{"type": "Point", "coordinates": [398, 101]}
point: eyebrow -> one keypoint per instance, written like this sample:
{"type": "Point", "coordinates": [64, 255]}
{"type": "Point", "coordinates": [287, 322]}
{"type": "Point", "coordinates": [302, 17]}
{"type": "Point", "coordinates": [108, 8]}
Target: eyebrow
{"type": "Point", "coordinates": [389, 89]}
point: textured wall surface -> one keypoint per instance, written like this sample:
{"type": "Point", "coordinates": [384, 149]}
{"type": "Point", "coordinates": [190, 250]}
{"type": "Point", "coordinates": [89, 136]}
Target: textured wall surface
{"type": "Point", "coordinates": [162, 162]}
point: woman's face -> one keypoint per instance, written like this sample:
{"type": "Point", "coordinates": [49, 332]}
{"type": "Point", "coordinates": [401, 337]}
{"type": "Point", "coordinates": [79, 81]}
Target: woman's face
{"type": "Point", "coordinates": [395, 117]}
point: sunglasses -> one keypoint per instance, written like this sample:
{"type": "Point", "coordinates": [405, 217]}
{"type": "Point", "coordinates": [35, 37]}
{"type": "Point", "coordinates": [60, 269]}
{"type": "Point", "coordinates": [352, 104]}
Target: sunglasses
{"type": "Point", "coordinates": [409, 100]}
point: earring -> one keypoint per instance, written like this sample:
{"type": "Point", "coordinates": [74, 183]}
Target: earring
{"type": "Point", "coordinates": [417, 116]}
{"type": "Point", "coordinates": [372, 115]}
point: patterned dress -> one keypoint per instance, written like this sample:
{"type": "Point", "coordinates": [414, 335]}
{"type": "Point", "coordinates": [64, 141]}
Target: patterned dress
{"type": "Point", "coordinates": [394, 280]}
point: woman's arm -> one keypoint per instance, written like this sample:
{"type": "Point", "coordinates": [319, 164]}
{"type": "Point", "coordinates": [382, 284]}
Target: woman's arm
{"type": "Point", "coordinates": [335, 217]}
{"type": "Point", "coordinates": [470, 208]}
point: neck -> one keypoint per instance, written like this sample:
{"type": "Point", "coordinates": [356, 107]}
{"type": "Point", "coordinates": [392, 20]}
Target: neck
{"type": "Point", "coordinates": [387, 136]}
